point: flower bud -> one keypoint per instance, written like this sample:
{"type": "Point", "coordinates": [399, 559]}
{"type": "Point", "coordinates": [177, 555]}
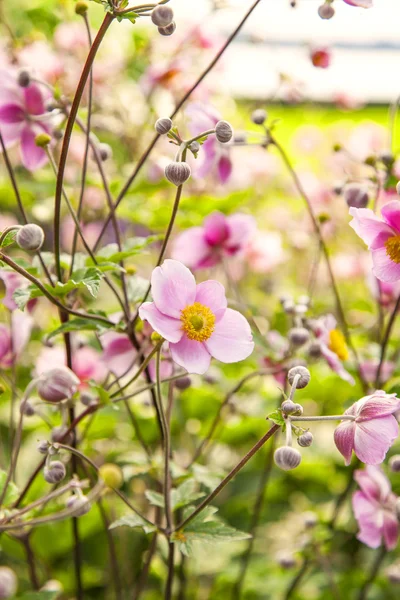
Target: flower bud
{"type": "Point", "coordinates": [43, 447]}
{"type": "Point", "coordinates": [259, 116]}
{"type": "Point", "coordinates": [58, 434]}
{"type": "Point", "coordinates": [58, 384]}
{"type": "Point", "coordinates": [183, 383]}
{"type": "Point", "coordinates": [387, 158]}
{"type": "Point", "coordinates": [105, 152]}
{"type": "Point", "coordinates": [194, 147]}
{"type": "Point", "coordinates": [287, 458]}
{"type": "Point", "coordinates": [326, 11]}
{"type": "Point", "coordinates": [24, 78]}
{"type": "Point", "coordinates": [55, 472]}
{"type": "Point", "coordinates": [42, 140]}
{"type": "Point", "coordinates": [394, 463]}
{"type": "Point", "coordinates": [240, 137]}
{"type": "Point", "coordinates": [8, 583]}
{"type": "Point", "coordinates": [356, 195]}
{"type": "Point", "coordinates": [223, 132]}
{"type": "Point", "coordinates": [111, 475]}
{"type": "Point", "coordinates": [286, 560]}
{"type": "Point", "coordinates": [392, 573]}
{"type": "Point", "coordinates": [304, 379]}
{"type": "Point", "coordinates": [155, 337]}
{"type": "Point", "coordinates": [81, 8]}
{"type": "Point", "coordinates": [315, 350]}
{"type": "Point", "coordinates": [79, 505]}
{"type": "Point", "coordinates": [310, 519]}
{"type": "Point", "coordinates": [298, 410]}
{"type": "Point", "coordinates": [27, 409]}
{"type": "Point", "coordinates": [58, 134]}
{"type": "Point", "coordinates": [288, 307]}
{"type": "Point", "coordinates": [298, 336]}
{"type": "Point", "coordinates": [168, 30]}
{"type": "Point", "coordinates": [177, 172]}
{"type": "Point", "coordinates": [163, 126]}
{"type": "Point", "coordinates": [30, 237]}
{"type": "Point", "coordinates": [162, 16]}
{"type": "Point", "coordinates": [288, 407]}
{"type": "Point", "coordinates": [306, 439]}
{"type": "Point", "coordinates": [88, 399]}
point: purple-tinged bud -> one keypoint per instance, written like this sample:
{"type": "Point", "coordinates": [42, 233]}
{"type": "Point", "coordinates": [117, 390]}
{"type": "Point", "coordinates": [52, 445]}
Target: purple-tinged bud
{"type": "Point", "coordinates": [393, 573]}
{"type": "Point", "coordinates": [259, 116]}
{"type": "Point", "coordinates": [162, 16]}
{"type": "Point", "coordinates": [55, 472]}
{"type": "Point", "coordinates": [356, 195]}
{"type": "Point", "coordinates": [287, 458]}
{"type": "Point", "coordinates": [105, 151]}
{"type": "Point", "coordinates": [306, 439]}
{"type": "Point", "coordinates": [30, 237]}
{"type": "Point", "coordinates": [288, 407]}
{"type": "Point", "coordinates": [387, 158]}
{"type": "Point", "coordinates": [298, 410]}
{"type": "Point", "coordinates": [28, 409]}
{"type": "Point", "coordinates": [177, 172]}
{"type": "Point", "coordinates": [304, 378]}
{"type": "Point", "coordinates": [8, 583]}
{"type": "Point", "coordinates": [183, 383]}
{"type": "Point", "coordinates": [168, 30]}
{"type": "Point", "coordinates": [338, 188]}
{"type": "Point", "coordinates": [394, 463]}
{"type": "Point", "coordinates": [223, 132]}
{"type": "Point", "coordinates": [240, 137]}
{"type": "Point", "coordinates": [289, 307]}
{"type": "Point", "coordinates": [88, 399]}
{"type": "Point", "coordinates": [163, 126]}
{"type": "Point", "coordinates": [43, 447]}
{"type": "Point", "coordinates": [194, 147]}
{"type": "Point", "coordinates": [310, 519]}
{"type": "Point", "coordinates": [58, 434]}
{"type": "Point", "coordinates": [58, 384]}
{"type": "Point", "coordinates": [24, 78]}
{"type": "Point", "coordinates": [298, 336]}
{"type": "Point", "coordinates": [286, 560]}
{"type": "Point", "coordinates": [79, 505]}
{"type": "Point", "coordinates": [315, 350]}
{"type": "Point", "coordinates": [326, 11]}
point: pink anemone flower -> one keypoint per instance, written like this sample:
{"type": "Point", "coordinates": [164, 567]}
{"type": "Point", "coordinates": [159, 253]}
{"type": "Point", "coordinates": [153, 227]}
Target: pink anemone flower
{"type": "Point", "coordinates": [86, 363]}
{"type": "Point", "coordinates": [195, 320]}
{"type": "Point", "coordinates": [202, 247]}
{"type": "Point", "coordinates": [382, 237]}
{"type": "Point", "coordinates": [333, 346]}
{"type": "Point", "coordinates": [360, 3]}
{"type": "Point", "coordinates": [374, 507]}
{"type": "Point", "coordinates": [22, 117]}
{"type": "Point", "coordinates": [372, 430]}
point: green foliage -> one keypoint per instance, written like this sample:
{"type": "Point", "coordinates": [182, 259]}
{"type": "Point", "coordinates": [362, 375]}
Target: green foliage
{"type": "Point", "coordinates": [12, 492]}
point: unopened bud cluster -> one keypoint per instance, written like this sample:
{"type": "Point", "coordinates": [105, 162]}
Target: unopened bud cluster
{"type": "Point", "coordinates": [163, 18]}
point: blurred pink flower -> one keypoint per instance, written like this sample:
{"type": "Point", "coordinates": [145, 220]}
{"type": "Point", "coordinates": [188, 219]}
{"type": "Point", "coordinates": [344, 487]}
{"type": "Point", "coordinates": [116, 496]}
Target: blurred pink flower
{"type": "Point", "coordinates": [264, 251]}
{"type": "Point", "coordinates": [360, 3]}
{"type": "Point", "coordinates": [320, 57]}
{"type": "Point", "coordinates": [41, 58]}
{"type": "Point", "coordinates": [382, 236]}
{"type": "Point", "coordinates": [86, 362]}
{"type": "Point", "coordinates": [372, 431]}
{"type": "Point", "coordinates": [214, 157]}
{"type": "Point", "coordinates": [369, 370]}
{"type": "Point", "coordinates": [22, 118]}
{"type": "Point", "coordinates": [118, 353]}
{"type": "Point", "coordinates": [12, 282]}
{"type": "Point", "coordinates": [195, 319]}
{"type": "Point", "coordinates": [374, 508]}
{"type": "Point", "coordinates": [385, 292]}
{"type": "Point", "coordinates": [333, 345]}
{"type": "Point", "coordinates": [14, 340]}
{"type": "Point", "coordinates": [219, 237]}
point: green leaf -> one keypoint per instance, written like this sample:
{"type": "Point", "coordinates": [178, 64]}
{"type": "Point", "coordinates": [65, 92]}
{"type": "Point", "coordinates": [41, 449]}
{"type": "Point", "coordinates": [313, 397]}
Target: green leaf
{"type": "Point", "coordinates": [137, 288]}
{"type": "Point", "coordinates": [12, 492]}
{"type": "Point", "coordinates": [80, 325]}
{"type": "Point", "coordinates": [23, 295]}
{"type": "Point", "coordinates": [111, 252]}
{"type": "Point", "coordinates": [9, 238]}
{"type": "Point", "coordinates": [154, 498]}
{"type": "Point", "coordinates": [185, 494]}
{"type": "Point", "coordinates": [133, 520]}
{"type": "Point", "coordinates": [39, 596]}
{"type": "Point", "coordinates": [277, 418]}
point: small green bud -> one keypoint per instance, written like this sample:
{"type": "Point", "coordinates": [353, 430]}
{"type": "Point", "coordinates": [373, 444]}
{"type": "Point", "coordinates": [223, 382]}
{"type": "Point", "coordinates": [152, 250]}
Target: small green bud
{"type": "Point", "coordinates": [81, 8]}
{"type": "Point", "coordinates": [156, 337]}
{"type": "Point", "coordinates": [42, 140]}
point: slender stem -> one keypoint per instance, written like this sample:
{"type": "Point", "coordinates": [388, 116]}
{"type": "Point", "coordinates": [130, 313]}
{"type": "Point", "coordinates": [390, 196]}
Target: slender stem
{"type": "Point", "coordinates": [170, 577]}
{"type": "Point", "coordinates": [146, 568]}
{"type": "Point", "coordinates": [167, 447]}
{"type": "Point", "coordinates": [141, 368]}
{"type": "Point", "coordinates": [30, 557]}
{"type": "Point", "coordinates": [108, 19]}
{"type": "Point", "coordinates": [323, 418]}
{"type": "Point", "coordinates": [230, 476]}
{"type": "Point", "coordinates": [372, 573]}
{"type": "Point", "coordinates": [297, 578]}
{"type": "Point", "coordinates": [385, 341]}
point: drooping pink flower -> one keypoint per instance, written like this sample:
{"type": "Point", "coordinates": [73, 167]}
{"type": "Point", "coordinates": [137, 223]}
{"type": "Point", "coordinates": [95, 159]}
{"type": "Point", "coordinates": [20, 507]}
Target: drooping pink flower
{"type": "Point", "coordinates": [333, 345]}
{"type": "Point", "coordinates": [382, 236]}
{"type": "Point", "coordinates": [22, 117]}
{"type": "Point", "coordinates": [373, 429]}
{"type": "Point", "coordinates": [369, 370]}
{"type": "Point", "coordinates": [320, 57]}
{"type": "Point", "coordinates": [86, 363]}
{"type": "Point", "coordinates": [374, 509]}
{"type": "Point", "coordinates": [219, 237]}
{"type": "Point", "coordinates": [12, 282]}
{"type": "Point", "coordinates": [195, 320]}
{"type": "Point", "coordinates": [360, 3]}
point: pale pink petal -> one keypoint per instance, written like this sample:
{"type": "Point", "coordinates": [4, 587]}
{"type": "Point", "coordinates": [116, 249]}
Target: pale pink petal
{"type": "Point", "coordinates": [373, 439]}
{"type": "Point", "coordinates": [11, 114]}
{"type": "Point", "coordinates": [11, 133]}
{"type": "Point", "coordinates": [224, 168]}
{"type": "Point", "coordinates": [391, 214]}
{"type": "Point", "coordinates": [21, 325]}
{"type": "Point", "coordinates": [373, 482]}
{"type": "Point", "coordinates": [212, 294]}
{"type": "Point", "coordinates": [380, 240]}
{"type": "Point", "coordinates": [344, 439]}
{"type": "Point", "coordinates": [173, 287]}
{"type": "Point", "coordinates": [33, 157]}
{"type": "Point", "coordinates": [241, 229]}
{"type": "Point", "coordinates": [169, 328]}
{"type": "Point", "coordinates": [378, 406]}
{"type": "Point", "coordinates": [87, 364]}
{"type": "Point", "coordinates": [34, 100]}
{"type": "Point", "coordinates": [367, 225]}
{"type": "Point", "coordinates": [231, 340]}
{"type": "Point", "coordinates": [360, 3]}
{"type": "Point", "coordinates": [191, 355]}
{"type": "Point", "coordinates": [118, 353]}
{"type": "Point", "coordinates": [384, 268]}
{"type": "Point", "coordinates": [216, 229]}
{"type": "Point", "coordinates": [191, 248]}
{"type": "Point", "coordinates": [390, 530]}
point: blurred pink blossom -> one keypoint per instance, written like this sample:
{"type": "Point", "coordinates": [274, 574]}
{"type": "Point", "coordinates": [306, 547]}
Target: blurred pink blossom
{"type": "Point", "coordinates": [14, 340]}
{"type": "Point", "coordinates": [360, 3]}
{"type": "Point", "coordinates": [333, 346]}
{"type": "Point", "coordinates": [86, 362]}
{"type": "Point", "coordinates": [321, 57]}
{"type": "Point", "coordinates": [369, 369]}
{"type": "Point", "coordinates": [264, 251]}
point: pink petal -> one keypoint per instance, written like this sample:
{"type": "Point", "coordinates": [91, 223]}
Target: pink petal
{"type": "Point", "coordinates": [360, 3]}
{"type": "Point", "coordinates": [11, 113]}
{"type": "Point", "coordinates": [34, 100]}
{"type": "Point", "coordinates": [191, 247]}
{"type": "Point", "coordinates": [391, 214]}
{"type": "Point", "coordinates": [232, 340]}
{"type": "Point", "coordinates": [212, 294]}
{"type": "Point", "coordinates": [344, 439]}
{"type": "Point", "coordinates": [191, 355]}
{"type": "Point", "coordinates": [216, 230]}
{"type": "Point", "coordinates": [173, 287]}
{"type": "Point", "coordinates": [169, 328]}
{"type": "Point", "coordinates": [224, 167]}
{"type": "Point", "coordinates": [384, 268]}
{"type": "Point", "coordinates": [373, 439]}
{"type": "Point", "coordinates": [376, 406]}
{"type": "Point", "coordinates": [33, 157]}
{"type": "Point", "coordinates": [390, 530]}
{"type": "Point", "coordinates": [118, 353]}
{"type": "Point", "coordinates": [11, 133]}
{"type": "Point", "coordinates": [22, 324]}
{"type": "Point", "coordinates": [380, 240]}
{"type": "Point", "coordinates": [373, 482]}
{"type": "Point", "coordinates": [367, 225]}
{"type": "Point", "coordinates": [241, 229]}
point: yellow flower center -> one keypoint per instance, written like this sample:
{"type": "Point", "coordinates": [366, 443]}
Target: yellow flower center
{"type": "Point", "coordinates": [392, 246]}
{"type": "Point", "coordinates": [198, 322]}
{"type": "Point", "coordinates": [337, 344]}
